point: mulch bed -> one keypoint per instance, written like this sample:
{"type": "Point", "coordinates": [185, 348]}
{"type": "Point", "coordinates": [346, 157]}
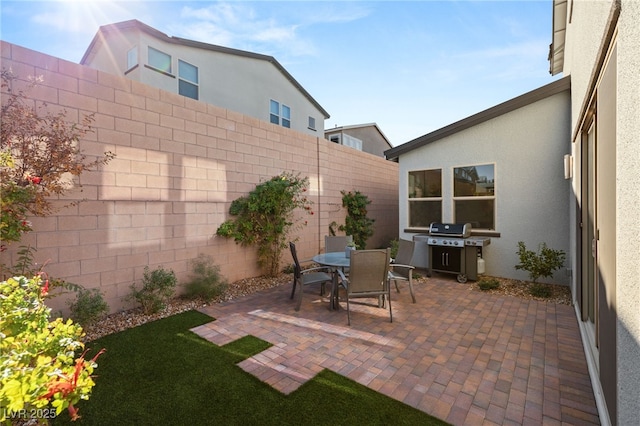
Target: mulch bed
{"type": "Point", "coordinates": [120, 321]}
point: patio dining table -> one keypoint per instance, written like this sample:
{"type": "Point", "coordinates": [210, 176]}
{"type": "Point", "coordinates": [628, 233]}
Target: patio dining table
{"type": "Point", "coordinates": [334, 260]}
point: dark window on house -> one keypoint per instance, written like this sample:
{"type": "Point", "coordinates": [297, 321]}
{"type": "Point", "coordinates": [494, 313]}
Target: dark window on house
{"type": "Point", "coordinates": [474, 196]}
{"type": "Point", "coordinates": [425, 197]}
{"type": "Point", "coordinates": [159, 60]}
{"type": "Point", "coordinates": [187, 80]}
{"type": "Point", "coordinates": [312, 123]}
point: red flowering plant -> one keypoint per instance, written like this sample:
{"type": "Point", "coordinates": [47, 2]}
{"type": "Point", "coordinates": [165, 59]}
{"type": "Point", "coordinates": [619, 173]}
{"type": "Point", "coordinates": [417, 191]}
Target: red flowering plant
{"type": "Point", "coordinates": [40, 373]}
{"type": "Point", "coordinates": [39, 156]}
{"type": "Point", "coordinates": [265, 217]}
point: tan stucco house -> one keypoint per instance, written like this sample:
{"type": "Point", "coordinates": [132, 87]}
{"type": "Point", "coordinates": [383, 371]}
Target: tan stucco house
{"type": "Point", "coordinates": [363, 137]}
{"type": "Point", "coordinates": [563, 163]}
{"type": "Point", "coordinates": [249, 83]}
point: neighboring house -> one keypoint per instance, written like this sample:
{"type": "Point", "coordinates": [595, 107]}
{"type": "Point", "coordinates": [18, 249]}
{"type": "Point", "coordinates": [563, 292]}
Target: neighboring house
{"type": "Point", "coordinates": [250, 83]}
{"type": "Point", "coordinates": [364, 137]}
{"type": "Point", "coordinates": [593, 215]}
{"type": "Point", "coordinates": [511, 156]}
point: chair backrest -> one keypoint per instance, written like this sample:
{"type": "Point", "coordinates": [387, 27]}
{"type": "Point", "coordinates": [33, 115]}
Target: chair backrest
{"type": "Point", "coordinates": [333, 243]}
{"type": "Point", "coordinates": [405, 252]}
{"type": "Point", "coordinates": [296, 265]}
{"type": "Point", "coordinates": [368, 271]}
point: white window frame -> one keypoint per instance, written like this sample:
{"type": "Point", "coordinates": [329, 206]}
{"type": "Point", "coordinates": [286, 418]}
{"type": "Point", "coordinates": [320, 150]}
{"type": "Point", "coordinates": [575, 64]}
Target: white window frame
{"type": "Point", "coordinates": [132, 58]}
{"type": "Point", "coordinates": [489, 183]}
{"type": "Point", "coordinates": [157, 66]}
{"type": "Point", "coordinates": [420, 198]}
{"type": "Point", "coordinates": [279, 113]}
{"type": "Point", "coordinates": [187, 81]}
{"type": "Point", "coordinates": [286, 116]}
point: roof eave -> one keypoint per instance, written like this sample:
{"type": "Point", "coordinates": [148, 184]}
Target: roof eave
{"type": "Point", "coordinates": [558, 36]}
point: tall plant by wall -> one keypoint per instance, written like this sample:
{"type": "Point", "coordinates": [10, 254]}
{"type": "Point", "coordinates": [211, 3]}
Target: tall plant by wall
{"type": "Point", "coordinates": [357, 224]}
{"type": "Point", "coordinates": [265, 217]}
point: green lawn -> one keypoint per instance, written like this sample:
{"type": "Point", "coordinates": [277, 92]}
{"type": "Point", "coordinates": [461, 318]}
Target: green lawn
{"type": "Point", "coordinates": [160, 373]}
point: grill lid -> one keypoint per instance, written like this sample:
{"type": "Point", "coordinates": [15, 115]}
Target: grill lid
{"type": "Point", "coordinates": [461, 230]}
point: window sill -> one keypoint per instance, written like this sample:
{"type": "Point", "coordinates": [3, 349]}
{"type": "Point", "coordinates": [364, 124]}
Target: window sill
{"type": "Point", "coordinates": [131, 69]}
{"type": "Point", "coordinates": [160, 71]}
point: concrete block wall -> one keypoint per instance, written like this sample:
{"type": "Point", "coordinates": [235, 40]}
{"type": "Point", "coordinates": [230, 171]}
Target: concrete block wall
{"type": "Point", "coordinates": [179, 164]}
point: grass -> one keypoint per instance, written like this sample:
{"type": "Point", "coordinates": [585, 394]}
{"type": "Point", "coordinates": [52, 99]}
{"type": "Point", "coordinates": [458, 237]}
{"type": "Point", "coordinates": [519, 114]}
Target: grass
{"type": "Point", "coordinates": [161, 373]}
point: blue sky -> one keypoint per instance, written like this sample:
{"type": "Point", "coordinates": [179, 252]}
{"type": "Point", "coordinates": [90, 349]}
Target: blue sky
{"type": "Point", "coordinates": [411, 67]}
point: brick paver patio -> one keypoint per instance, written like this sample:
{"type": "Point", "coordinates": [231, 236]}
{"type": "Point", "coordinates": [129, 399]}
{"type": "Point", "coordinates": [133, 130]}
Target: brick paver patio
{"type": "Point", "coordinates": [463, 356]}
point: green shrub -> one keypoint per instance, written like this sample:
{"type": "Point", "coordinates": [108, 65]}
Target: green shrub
{"type": "Point", "coordinates": [158, 286]}
{"type": "Point", "coordinates": [486, 284]}
{"type": "Point", "coordinates": [540, 290]}
{"type": "Point", "coordinates": [265, 218]}
{"type": "Point", "coordinates": [205, 282]}
{"type": "Point", "coordinates": [357, 224]}
{"type": "Point", "coordinates": [393, 245]}
{"type": "Point", "coordinates": [288, 269]}
{"type": "Point", "coordinates": [88, 307]}
{"type": "Point", "coordinates": [39, 359]}
{"type": "Point", "coordinates": [541, 264]}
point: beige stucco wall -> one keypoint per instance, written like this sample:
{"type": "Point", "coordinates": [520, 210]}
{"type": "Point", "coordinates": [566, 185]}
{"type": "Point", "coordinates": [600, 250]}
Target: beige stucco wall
{"type": "Point", "coordinates": [179, 165]}
{"type": "Point", "coordinates": [585, 33]}
{"type": "Point", "coordinates": [526, 147]}
{"type": "Point", "coordinates": [628, 215]}
{"type": "Point", "coordinates": [584, 43]}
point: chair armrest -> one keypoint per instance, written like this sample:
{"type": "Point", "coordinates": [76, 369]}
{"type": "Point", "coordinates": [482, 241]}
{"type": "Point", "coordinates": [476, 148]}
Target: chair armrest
{"type": "Point", "coordinates": [399, 265]}
{"type": "Point", "coordinates": [319, 268]}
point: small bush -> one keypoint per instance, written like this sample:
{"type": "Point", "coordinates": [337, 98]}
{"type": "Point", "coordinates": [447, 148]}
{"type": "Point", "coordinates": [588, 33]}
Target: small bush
{"type": "Point", "coordinates": [205, 282]}
{"type": "Point", "coordinates": [158, 286]}
{"type": "Point", "coordinates": [486, 284]}
{"type": "Point", "coordinates": [540, 290]}
{"type": "Point", "coordinates": [393, 245]}
{"type": "Point", "coordinates": [88, 307]}
{"type": "Point", "coordinates": [288, 269]}
{"type": "Point", "coordinates": [540, 264]}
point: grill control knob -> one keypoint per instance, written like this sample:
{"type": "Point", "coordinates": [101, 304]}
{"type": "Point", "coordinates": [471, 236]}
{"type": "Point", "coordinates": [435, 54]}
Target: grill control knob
{"type": "Point", "coordinates": [455, 243]}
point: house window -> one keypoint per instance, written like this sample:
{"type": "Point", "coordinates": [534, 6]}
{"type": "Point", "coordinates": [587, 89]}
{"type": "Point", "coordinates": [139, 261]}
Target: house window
{"type": "Point", "coordinates": [286, 116]}
{"type": "Point", "coordinates": [159, 60]}
{"type": "Point", "coordinates": [425, 197]}
{"type": "Point", "coordinates": [312, 123]}
{"type": "Point", "coordinates": [474, 196]}
{"type": "Point", "coordinates": [187, 80]}
{"type": "Point", "coordinates": [274, 112]}
{"type": "Point", "coordinates": [279, 116]}
{"type": "Point", "coordinates": [132, 58]}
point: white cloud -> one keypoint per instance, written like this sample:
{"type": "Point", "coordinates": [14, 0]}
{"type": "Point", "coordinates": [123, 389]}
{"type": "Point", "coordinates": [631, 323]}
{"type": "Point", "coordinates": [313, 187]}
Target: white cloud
{"type": "Point", "coordinates": [265, 27]}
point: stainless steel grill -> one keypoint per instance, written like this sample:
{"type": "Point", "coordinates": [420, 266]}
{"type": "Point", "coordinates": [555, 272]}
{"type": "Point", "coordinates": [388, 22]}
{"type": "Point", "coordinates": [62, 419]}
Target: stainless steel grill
{"type": "Point", "coordinates": [453, 250]}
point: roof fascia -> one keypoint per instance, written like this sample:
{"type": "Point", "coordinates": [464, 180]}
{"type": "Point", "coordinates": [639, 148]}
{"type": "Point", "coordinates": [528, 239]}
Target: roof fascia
{"type": "Point", "coordinates": [558, 36]}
